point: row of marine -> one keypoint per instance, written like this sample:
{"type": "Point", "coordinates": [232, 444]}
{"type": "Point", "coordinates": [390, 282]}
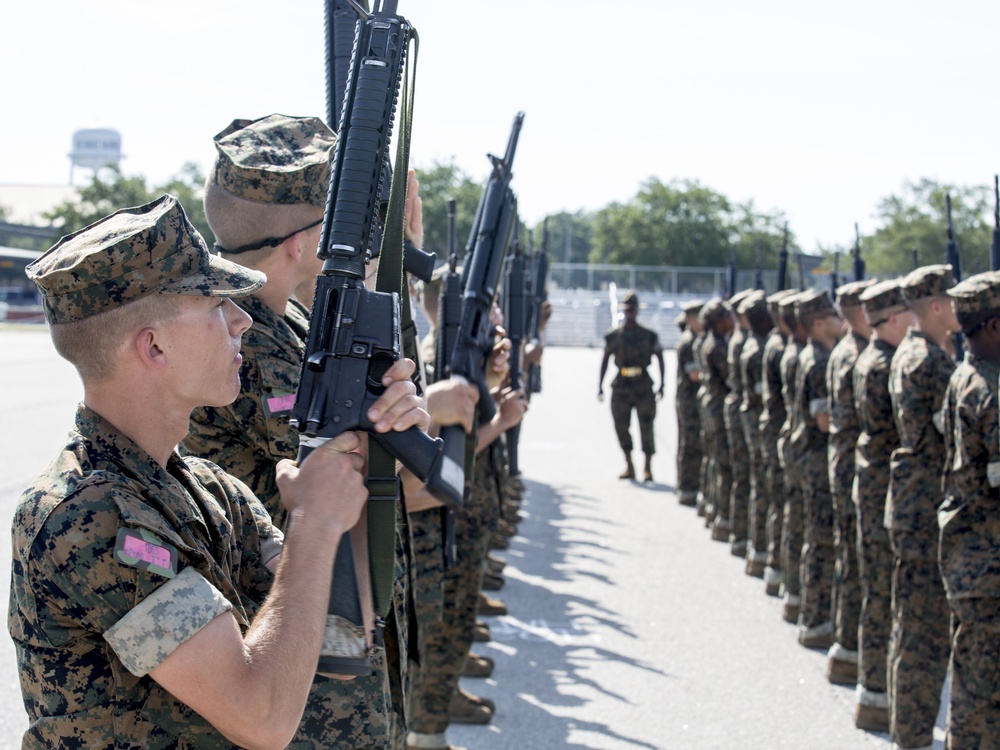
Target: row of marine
{"type": "Point", "coordinates": [847, 450]}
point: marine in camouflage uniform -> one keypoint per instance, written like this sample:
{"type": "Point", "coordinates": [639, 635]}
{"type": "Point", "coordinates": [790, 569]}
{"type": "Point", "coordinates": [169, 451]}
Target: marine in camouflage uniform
{"type": "Point", "coordinates": [754, 309]}
{"type": "Point", "coordinates": [888, 316]}
{"type": "Point", "coordinates": [739, 451]}
{"type": "Point", "coordinates": [706, 478]}
{"type": "Point", "coordinates": [120, 556]}
{"type": "Point", "coordinates": [918, 376]}
{"type": "Point", "coordinates": [718, 323]}
{"type": "Point", "coordinates": [633, 346]}
{"type": "Point", "coordinates": [772, 417]}
{"type": "Point", "coordinates": [791, 525]}
{"type": "Point", "coordinates": [969, 542]}
{"type": "Point", "coordinates": [842, 664]}
{"type": "Point", "coordinates": [820, 319]}
{"type": "Point", "coordinates": [689, 452]}
{"type": "Point", "coordinates": [279, 166]}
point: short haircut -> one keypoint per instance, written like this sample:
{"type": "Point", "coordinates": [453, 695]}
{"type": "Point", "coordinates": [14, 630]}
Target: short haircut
{"type": "Point", "coordinates": [237, 222]}
{"type": "Point", "coordinates": [93, 345]}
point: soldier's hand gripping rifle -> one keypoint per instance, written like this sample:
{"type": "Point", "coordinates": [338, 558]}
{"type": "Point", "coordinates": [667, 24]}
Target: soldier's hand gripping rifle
{"type": "Point", "coordinates": [515, 318]}
{"type": "Point", "coordinates": [354, 333]}
{"type": "Point", "coordinates": [783, 261]}
{"type": "Point", "coordinates": [859, 262]}
{"type": "Point", "coordinates": [539, 278]}
{"type": "Point", "coordinates": [952, 258]}
{"type": "Point", "coordinates": [995, 245]}
{"type": "Point", "coordinates": [488, 241]}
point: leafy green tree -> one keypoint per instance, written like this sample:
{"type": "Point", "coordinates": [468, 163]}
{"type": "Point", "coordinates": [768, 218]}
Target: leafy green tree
{"type": "Point", "coordinates": [680, 223]}
{"type": "Point", "coordinates": [438, 183]}
{"type": "Point", "coordinates": [570, 236]}
{"type": "Point", "coordinates": [110, 190]}
{"type": "Point", "coordinates": [915, 223]}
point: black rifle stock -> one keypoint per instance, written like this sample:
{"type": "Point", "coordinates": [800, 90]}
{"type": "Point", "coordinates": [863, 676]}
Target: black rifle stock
{"type": "Point", "coordinates": [515, 318]}
{"type": "Point", "coordinates": [354, 333]}
{"type": "Point", "coordinates": [783, 261]}
{"type": "Point", "coordinates": [995, 245]}
{"type": "Point", "coordinates": [485, 251]}
{"type": "Point", "coordinates": [859, 262]}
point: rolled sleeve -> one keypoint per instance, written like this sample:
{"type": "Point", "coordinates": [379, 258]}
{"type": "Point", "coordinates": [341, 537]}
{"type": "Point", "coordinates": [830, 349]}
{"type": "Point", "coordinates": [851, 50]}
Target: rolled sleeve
{"type": "Point", "coordinates": [166, 618]}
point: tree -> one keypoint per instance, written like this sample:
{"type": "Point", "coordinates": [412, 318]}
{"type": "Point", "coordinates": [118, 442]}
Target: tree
{"type": "Point", "coordinates": [917, 221]}
{"type": "Point", "coordinates": [110, 190]}
{"type": "Point", "coordinates": [438, 183]}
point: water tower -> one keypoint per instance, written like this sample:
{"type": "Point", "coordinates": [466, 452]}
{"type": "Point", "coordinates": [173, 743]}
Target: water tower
{"type": "Point", "coordinates": [95, 148]}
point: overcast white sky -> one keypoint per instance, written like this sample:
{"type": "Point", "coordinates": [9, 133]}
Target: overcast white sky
{"type": "Point", "coordinates": [818, 110]}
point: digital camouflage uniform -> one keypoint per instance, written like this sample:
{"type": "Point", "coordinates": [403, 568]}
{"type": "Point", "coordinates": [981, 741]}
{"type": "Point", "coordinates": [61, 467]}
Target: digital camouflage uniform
{"type": "Point", "coordinates": [89, 624]}
{"type": "Point", "coordinates": [689, 452]}
{"type": "Point", "coordinates": [751, 406]}
{"type": "Point", "coordinates": [791, 528]}
{"type": "Point", "coordinates": [970, 532]}
{"type": "Point", "coordinates": [876, 442]}
{"type": "Point", "coordinates": [712, 395]}
{"type": "Point", "coordinates": [274, 161]}
{"type": "Point", "coordinates": [739, 452]}
{"type": "Point", "coordinates": [706, 477]}
{"type": "Point", "coordinates": [772, 417]}
{"type": "Point", "coordinates": [632, 388]}
{"type": "Point", "coordinates": [920, 642]}
{"type": "Point", "coordinates": [117, 560]}
{"type": "Point", "coordinates": [811, 444]}
{"type": "Point", "coordinates": [445, 643]}
{"type": "Point", "coordinates": [247, 439]}
{"type": "Point", "coordinates": [843, 439]}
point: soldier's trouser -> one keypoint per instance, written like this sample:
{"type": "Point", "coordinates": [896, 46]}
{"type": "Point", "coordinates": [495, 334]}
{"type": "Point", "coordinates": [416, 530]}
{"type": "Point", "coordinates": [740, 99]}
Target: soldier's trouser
{"type": "Point", "coordinates": [974, 709]}
{"type": "Point", "coordinates": [689, 452]}
{"type": "Point", "coordinates": [792, 532]}
{"type": "Point", "coordinates": [739, 494]}
{"type": "Point", "coordinates": [775, 509]}
{"type": "Point", "coordinates": [626, 396]}
{"type": "Point", "coordinates": [721, 465]}
{"type": "Point", "coordinates": [919, 647]}
{"type": "Point", "coordinates": [759, 495]}
{"type": "Point", "coordinates": [875, 565]}
{"type": "Point", "coordinates": [846, 594]}
{"type": "Point", "coordinates": [445, 644]}
{"type": "Point", "coordinates": [817, 563]}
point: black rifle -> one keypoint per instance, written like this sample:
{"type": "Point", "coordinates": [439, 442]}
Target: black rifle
{"type": "Point", "coordinates": [731, 275]}
{"type": "Point", "coordinates": [802, 274]}
{"type": "Point", "coordinates": [916, 259]}
{"type": "Point", "coordinates": [758, 276]}
{"type": "Point", "coordinates": [859, 262]}
{"type": "Point", "coordinates": [515, 318]}
{"type": "Point", "coordinates": [539, 280]}
{"type": "Point", "coordinates": [783, 261]}
{"type": "Point", "coordinates": [354, 333]}
{"type": "Point", "coordinates": [995, 245]}
{"type": "Point", "coordinates": [952, 258]}
{"type": "Point", "coordinates": [449, 306]}
{"type": "Point", "coordinates": [835, 276]}
{"type": "Point", "coordinates": [341, 20]}
{"type": "Point", "coordinates": [487, 246]}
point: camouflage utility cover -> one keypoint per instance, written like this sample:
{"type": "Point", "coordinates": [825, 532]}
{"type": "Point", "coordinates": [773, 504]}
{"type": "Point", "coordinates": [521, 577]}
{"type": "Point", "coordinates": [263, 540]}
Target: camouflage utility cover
{"type": "Point", "coordinates": [276, 159]}
{"type": "Point", "coordinates": [979, 293]}
{"type": "Point", "coordinates": [927, 281]}
{"type": "Point", "coordinates": [128, 255]}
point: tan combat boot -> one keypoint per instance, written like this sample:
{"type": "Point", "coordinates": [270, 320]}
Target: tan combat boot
{"type": "Point", "coordinates": [629, 472]}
